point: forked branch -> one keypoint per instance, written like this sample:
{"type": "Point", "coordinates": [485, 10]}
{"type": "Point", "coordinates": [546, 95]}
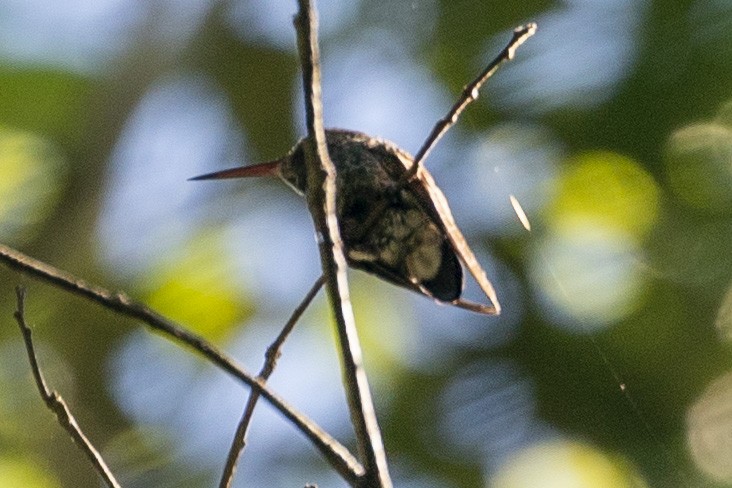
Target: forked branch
{"type": "Point", "coordinates": [271, 356]}
{"type": "Point", "coordinates": [469, 94]}
{"type": "Point", "coordinates": [335, 453]}
{"type": "Point", "coordinates": [321, 200]}
{"type": "Point", "coordinates": [55, 402]}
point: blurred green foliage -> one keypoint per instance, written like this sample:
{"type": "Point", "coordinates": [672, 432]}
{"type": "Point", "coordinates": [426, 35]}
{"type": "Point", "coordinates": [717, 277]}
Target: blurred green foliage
{"type": "Point", "coordinates": [632, 247]}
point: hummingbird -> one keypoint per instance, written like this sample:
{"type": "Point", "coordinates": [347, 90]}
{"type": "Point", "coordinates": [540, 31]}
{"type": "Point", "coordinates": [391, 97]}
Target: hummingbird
{"type": "Point", "coordinates": [413, 243]}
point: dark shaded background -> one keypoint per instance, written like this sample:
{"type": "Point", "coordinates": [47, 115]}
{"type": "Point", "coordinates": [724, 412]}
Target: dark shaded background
{"type": "Point", "coordinates": [613, 128]}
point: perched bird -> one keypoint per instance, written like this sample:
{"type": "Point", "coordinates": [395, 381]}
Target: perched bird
{"type": "Point", "coordinates": [413, 242]}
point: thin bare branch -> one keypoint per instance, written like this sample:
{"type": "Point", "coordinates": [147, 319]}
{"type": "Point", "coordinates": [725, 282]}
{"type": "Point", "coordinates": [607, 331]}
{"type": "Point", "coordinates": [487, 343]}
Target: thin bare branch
{"type": "Point", "coordinates": [55, 402]}
{"type": "Point", "coordinates": [321, 196]}
{"type": "Point", "coordinates": [270, 362]}
{"type": "Point", "coordinates": [335, 453]}
{"type": "Point", "coordinates": [469, 94]}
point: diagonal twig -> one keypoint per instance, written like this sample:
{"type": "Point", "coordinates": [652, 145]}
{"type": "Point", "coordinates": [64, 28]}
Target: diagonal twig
{"type": "Point", "coordinates": [55, 402]}
{"type": "Point", "coordinates": [271, 356]}
{"type": "Point", "coordinates": [335, 453]}
{"type": "Point", "coordinates": [469, 94]}
{"type": "Point", "coordinates": [321, 190]}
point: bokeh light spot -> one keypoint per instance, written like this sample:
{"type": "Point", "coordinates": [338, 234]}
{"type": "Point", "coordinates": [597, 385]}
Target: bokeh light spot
{"type": "Point", "coordinates": [25, 472]}
{"type": "Point", "coordinates": [609, 189]}
{"type": "Point", "coordinates": [699, 165]}
{"type": "Point", "coordinates": [566, 464]}
{"type": "Point", "coordinates": [709, 429]}
{"type": "Point", "coordinates": [588, 274]}
{"type": "Point", "coordinates": [31, 171]}
{"type": "Point", "coordinates": [197, 288]}
{"type": "Point", "coordinates": [587, 267]}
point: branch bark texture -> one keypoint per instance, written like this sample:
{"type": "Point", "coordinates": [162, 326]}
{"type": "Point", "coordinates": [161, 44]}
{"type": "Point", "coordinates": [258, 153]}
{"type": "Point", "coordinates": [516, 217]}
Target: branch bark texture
{"type": "Point", "coordinates": [321, 196]}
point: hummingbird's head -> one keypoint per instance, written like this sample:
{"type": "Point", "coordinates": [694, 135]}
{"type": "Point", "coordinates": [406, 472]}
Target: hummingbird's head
{"type": "Point", "coordinates": [290, 169]}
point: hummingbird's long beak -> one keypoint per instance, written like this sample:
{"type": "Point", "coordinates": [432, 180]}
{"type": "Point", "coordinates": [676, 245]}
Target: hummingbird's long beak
{"type": "Point", "coordinates": [269, 168]}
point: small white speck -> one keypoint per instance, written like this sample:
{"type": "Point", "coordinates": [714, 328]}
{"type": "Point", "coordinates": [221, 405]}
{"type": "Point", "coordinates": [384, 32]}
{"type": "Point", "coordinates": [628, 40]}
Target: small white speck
{"type": "Point", "coordinates": [520, 212]}
{"type": "Point", "coordinates": [357, 255]}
